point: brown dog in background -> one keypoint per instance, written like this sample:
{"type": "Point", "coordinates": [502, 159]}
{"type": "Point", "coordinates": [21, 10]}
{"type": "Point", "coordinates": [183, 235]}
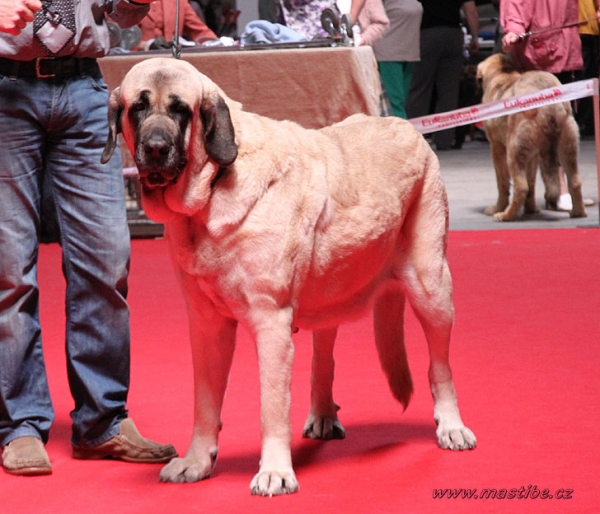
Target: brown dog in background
{"type": "Point", "coordinates": [277, 227]}
{"type": "Point", "coordinates": [547, 136]}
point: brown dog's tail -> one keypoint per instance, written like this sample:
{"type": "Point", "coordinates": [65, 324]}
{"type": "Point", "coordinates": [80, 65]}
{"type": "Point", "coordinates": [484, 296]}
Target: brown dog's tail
{"type": "Point", "coordinates": [388, 317]}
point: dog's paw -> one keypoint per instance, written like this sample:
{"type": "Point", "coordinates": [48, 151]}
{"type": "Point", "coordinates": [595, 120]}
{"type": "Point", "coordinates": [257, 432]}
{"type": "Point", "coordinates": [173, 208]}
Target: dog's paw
{"type": "Point", "coordinates": [578, 213]}
{"type": "Point", "coordinates": [490, 211]}
{"type": "Point", "coordinates": [273, 483]}
{"type": "Point", "coordinates": [503, 216]}
{"type": "Point", "coordinates": [532, 208]}
{"type": "Point", "coordinates": [456, 438]}
{"type": "Point", "coordinates": [323, 427]}
{"type": "Point", "coordinates": [185, 470]}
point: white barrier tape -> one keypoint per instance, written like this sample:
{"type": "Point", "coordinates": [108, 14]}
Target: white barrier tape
{"type": "Point", "coordinates": [481, 112]}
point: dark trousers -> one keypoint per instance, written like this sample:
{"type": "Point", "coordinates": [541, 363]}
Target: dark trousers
{"type": "Point", "coordinates": [585, 108]}
{"type": "Point", "coordinates": [442, 59]}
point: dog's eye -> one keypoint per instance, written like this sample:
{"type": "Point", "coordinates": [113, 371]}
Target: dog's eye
{"type": "Point", "coordinates": [179, 108]}
{"type": "Point", "coordinates": [137, 106]}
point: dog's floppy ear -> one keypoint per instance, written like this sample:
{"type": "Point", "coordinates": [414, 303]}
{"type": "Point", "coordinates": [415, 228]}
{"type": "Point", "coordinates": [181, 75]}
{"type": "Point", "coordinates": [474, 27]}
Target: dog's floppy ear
{"type": "Point", "coordinates": [219, 135]}
{"type": "Point", "coordinates": [115, 109]}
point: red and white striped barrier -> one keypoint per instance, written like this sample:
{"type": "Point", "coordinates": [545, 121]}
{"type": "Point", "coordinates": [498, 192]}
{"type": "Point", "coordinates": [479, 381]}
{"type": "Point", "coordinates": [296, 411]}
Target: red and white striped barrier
{"type": "Point", "coordinates": [482, 112]}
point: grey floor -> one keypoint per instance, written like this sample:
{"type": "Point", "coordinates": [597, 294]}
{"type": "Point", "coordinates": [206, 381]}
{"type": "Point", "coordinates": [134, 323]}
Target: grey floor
{"type": "Point", "coordinates": [471, 184]}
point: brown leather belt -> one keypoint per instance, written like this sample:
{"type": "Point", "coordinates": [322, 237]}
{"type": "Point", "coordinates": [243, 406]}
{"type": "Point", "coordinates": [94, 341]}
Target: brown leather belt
{"type": "Point", "coordinates": [50, 67]}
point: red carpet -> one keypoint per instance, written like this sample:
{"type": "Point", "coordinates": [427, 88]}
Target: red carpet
{"type": "Point", "coordinates": [525, 356]}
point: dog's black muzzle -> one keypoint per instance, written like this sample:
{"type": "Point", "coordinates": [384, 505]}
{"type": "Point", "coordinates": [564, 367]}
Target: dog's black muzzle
{"type": "Point", "coordinates": [159, 159]}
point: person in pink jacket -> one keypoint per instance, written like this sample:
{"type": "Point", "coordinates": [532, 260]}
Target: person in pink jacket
{"type": "Point", "coordinates": [527, 38]}
{"type": "Point", "coordinates": [557, 51]}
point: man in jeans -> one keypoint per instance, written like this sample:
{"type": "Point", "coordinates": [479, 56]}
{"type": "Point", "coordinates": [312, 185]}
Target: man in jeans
{"type": "Point", "coordinates": [53, 121]}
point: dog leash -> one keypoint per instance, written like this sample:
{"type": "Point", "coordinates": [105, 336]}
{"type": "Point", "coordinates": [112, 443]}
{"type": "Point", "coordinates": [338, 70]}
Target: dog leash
{"type": "Point", "coordinates": [552, 29]}
{"type": "Point", "coordinates": [176, 42]}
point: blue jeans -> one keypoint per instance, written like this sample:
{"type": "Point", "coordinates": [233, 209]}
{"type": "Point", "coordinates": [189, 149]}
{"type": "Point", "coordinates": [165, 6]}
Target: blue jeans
{"type": "Point", "coordinates": [53, 133]}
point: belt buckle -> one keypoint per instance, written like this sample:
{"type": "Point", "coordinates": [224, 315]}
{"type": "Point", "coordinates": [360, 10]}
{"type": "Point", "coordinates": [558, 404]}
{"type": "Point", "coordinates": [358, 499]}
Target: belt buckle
{"type": "Point", "coordinates": [38, 72]}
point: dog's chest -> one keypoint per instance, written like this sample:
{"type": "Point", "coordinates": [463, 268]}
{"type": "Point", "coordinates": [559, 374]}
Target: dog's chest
{"type": "Point", "coordinates": [196, 253]}
{"type": "Point", "coordinates": [228, 270]}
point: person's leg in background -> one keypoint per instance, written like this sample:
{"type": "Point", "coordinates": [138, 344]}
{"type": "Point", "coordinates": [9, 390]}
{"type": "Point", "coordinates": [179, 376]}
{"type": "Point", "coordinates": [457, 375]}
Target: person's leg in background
{"type": "Point", "coordinates": [447, 79]}
{"type": "Point", "coordinates": [423, 77]}
{"type": "Point", "coordinates": [396, 77]}
{"type": "Point", "coordinates": [585, 106]}
{"type": "Point", "coordinates": [565, 203]}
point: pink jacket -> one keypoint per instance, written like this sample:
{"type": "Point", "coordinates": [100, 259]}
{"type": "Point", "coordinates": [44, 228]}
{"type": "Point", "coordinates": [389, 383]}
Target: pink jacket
{"type": "Point", "coordinates": [554, 51]}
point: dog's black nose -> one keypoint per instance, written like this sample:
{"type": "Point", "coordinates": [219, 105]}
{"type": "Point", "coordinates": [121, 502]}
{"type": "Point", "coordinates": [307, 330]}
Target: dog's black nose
{"type": "Point", "coordinates": [156, 146]}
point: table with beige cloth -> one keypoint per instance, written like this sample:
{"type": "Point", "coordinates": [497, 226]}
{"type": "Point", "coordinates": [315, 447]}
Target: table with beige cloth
{"type": "Point", "coordinates": [314, 87]}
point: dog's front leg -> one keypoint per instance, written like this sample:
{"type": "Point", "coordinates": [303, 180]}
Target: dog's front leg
{"type": "Point", "coordinates": [275, 351]}
{"type": "Point", "coordinates": [213, 343]}
{"type": "Point", "coordinates": [323, 422]}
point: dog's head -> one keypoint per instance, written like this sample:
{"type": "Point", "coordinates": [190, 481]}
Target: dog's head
{"type": "Point", "coordinates": [170, 115]}
{"type": "Point", "coordinates": [495, 66]}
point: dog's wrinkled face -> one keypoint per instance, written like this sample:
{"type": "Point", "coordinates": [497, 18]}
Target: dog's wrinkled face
{"type": "Point", "coordinates": [159, 127]}
{"type": "Point", "coordinates": [169, 116]}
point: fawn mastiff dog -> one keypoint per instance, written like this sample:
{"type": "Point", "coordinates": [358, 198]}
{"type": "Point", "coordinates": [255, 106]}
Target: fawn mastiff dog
{"type": "Point", "coordinates": [547, 136]}
{"type": "Point", "coordinates": [279, 227]}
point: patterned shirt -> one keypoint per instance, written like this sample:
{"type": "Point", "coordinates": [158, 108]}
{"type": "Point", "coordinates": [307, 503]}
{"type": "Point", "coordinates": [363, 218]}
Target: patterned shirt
{"type": "Point", "coordinates": [91, 36]}
{"type": "Point", "coordinates": [304, 16]}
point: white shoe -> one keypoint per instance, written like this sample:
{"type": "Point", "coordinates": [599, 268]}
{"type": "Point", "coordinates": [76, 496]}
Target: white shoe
{"type": "Point", "coordinates": [565, 203]}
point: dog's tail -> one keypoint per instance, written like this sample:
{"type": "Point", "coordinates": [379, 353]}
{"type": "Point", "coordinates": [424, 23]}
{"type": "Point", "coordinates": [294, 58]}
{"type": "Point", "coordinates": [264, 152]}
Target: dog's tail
{"type": "Point", "coordinates": [388, 317]}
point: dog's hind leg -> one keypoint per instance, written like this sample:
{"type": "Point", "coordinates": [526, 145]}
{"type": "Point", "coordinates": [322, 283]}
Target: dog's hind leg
{"type": "Point", "coordinates": [433, 308]}
{"type": "Point", "coordinates": [388, 317]}
{"type": "Point", "coordinates": [522, 163]}
{"type": "Point", "coordinates": [530, 204]}
{"type": "Point", "coordinates": [428, 286]}
{"type": "Point", "coordinates": [549, 166]}
{"type": "Point", "coordinates": [430, 296]}
{"type": "Point", "coordinates": [568, 154]}
{"type": "Point", "coordinates": [322, 421]}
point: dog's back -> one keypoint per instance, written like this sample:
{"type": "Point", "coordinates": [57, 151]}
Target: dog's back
{"type": "Point", "coordinates": [509, 81]}
{"type": "Point", "coordinates": [377, 173]}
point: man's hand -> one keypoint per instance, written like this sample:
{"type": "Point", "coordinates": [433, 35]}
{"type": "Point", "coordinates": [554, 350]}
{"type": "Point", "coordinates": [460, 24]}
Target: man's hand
{"type": "Point", "coordinates": [473, 46]}
{"type": "Point", "coordinates": [509, 40]}
{"type": "Point", "coordinates": [15, 14]}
